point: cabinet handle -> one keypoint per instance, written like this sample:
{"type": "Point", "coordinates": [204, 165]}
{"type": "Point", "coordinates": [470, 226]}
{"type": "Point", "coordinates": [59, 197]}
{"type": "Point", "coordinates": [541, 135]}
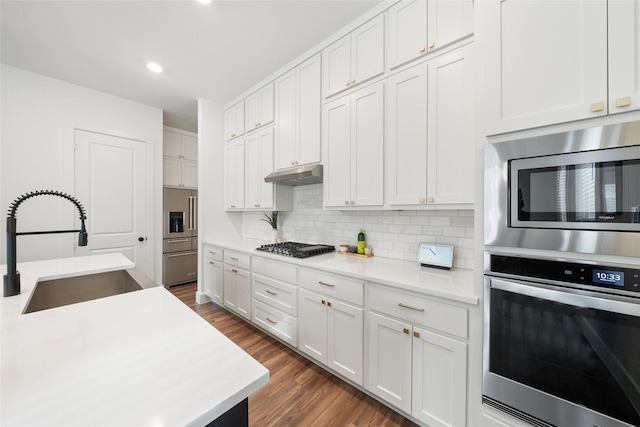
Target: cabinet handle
{"type": "Point", "coordinates": [234, 258]}
{"type": "Point", "coordinates": [296, 162]}
{"type": "Point", "coordinates": [405, 331]}
{"type": "Point", "coordinates": [257, 205]}
{"type": "Point", "coordinates": [432, 45]}
{"type": "Point", "coordinates": [598, 106]}
{"type": "Point", "coordinates": [352, 202]}
{"type": "Point", "coordinates": [421, 49]}
{"type": "Point", "coordinates": [430, 199]}
{"type": "Point", "coordinates": [353, 81]}
{"type": "Point", "coordinates": [212, 263]}
{"type": "Point", "coordinates": [178, 241]}
{"type": "Point", "coordinates": [421, 310]}
{"type": "Point", "coordinates": [234, 270]}
{"type": "Point", "coordinates": [416, 334]}
{"type": "Point", "coordinates": [623, 102]}
{"type": "Point", "coordinates": [272, 321]}
{"type": "Point", "coordinates": [181, 156]}
{"type": "Point", "coordinates": [271, 292]}
{"type": "Point", "coordinates": [257, 124]}
{"type": "Point", "coordinates": [329, 303]}
{"type": "Point", "coordinates": [212, 252]}
{"type": "Point", "coordinates": [233, 206]}
{"type": "Point", "coordinates": [292, 163]}
{"type": "Point", "coordinates": [326, 284]}
{"type": "Point", "coordinates": [346, 202]}
{"type": "Point", "coordinates": [346, 83]}
{"type": "Point", "coordinates": [323, 302]}
{"type": "Point", "coordinates": [233, 135]}
{"type": "Point", "coordinates": [422, 200]}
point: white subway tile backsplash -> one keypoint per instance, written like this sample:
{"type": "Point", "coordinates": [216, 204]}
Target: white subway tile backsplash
{"type": "Point", "coordinates": [391, 234]}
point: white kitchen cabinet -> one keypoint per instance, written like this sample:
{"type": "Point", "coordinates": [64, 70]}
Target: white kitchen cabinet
{"type": "Point", "coordinates": [213, 273]}
{"type": "Point", "coordinates": [237, 283]}
{"type": "Point", "coordinates": [234, 121]}
{"type": "Point", "coordinates": [234, 175]}
{"type": "Point", "coordinates": [546, 63]}
{"type": "Point", "coordinates": [355, 58]}
{"type": "Point", "coordinates": [419, 27]}
{"type": "Point", "coordinates": [353, 140]}
{"type": "Point", "coordinates": [624, 55]}
{"type": "Point", "coordinates": [179, 173]}
{"type": "Point", "coordinates": [330, 322]}
{"type": "Point", "coordinates": [297, 115]}
{"type": "Point", "coordinates": [413, 364]}
{"type": "Point", "coordinates": [180, 158]}
{"type": "Point", "coordinates": [429, 132]}
{"type": "Point", "coordinates": [258, 164]}
{"type": "Point", "coordinates": [259, 106]}
{"type": "Point", "coordinates": [179, 144]}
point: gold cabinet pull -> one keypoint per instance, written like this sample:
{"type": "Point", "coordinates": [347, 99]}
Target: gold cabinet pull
{"type": "Point", "coordinates": [271, 321]}
{"type": "Point", "coordinates": [234, 270]}
{"type": "Point", "coordinates": [352, 202]}
{"type": "Point", "coordinates": [271, 292]}
{"type": "Point", "coordinates": [257, 124]}
{"type": "Point", "coordinates": [257, 205]}
{"type": "Point", "coordinates": [329, 303]}
{"type": "Point", "coordinates": [405, 330]}
{"type": "Point", "coordinates": [233, 135]}
{"type": "Point", "coordinates": [212, 263]}
{"type": "Point", "coordinates": [421, 49]}
{"type": "Point", "coordinates": [346, 83]}
{"type": "Point", "coordinates": [421, 310]}
{"type": "Point", "coordinates": [416, 334]}
{"type": "Point", "coordinates": [212, 252]}
{"type": "Point", "coordinates": [353, 81]}
{"type": "Point", "coordinates": [598, 106]}
{"type": "Point", "coordinates": [623, 102]}
{"type": "Point", "coordinates": [323, 302]}
{"type": "Point", "coordinates": [233, 206]}
{"type": "Point", "coordinates": [432, 45]}
{"type": "Point", "coordinates": [346, 202]}
{"type": "Point", "coordinates": [423, 200]}
{"type": "Point", "coordinates": [326, 284]}
{"type": "Point", "coordinates": [233, 258]}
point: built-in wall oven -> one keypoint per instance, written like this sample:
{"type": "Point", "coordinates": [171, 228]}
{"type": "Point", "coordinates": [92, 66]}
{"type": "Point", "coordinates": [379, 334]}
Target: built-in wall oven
{"type": "Point", "coordinates": [562, 340]}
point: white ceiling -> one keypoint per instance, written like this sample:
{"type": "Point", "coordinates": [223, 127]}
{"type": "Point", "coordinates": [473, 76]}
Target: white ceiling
{"type": "Point", "coordinates": [214, 51]}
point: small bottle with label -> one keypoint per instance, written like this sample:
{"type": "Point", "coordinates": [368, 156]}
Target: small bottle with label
{"type": "Point", "coordinates": [361, 242]}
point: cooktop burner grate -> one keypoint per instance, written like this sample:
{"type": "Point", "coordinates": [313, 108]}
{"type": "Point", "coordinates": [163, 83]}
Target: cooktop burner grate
{"type": "Point", "coordinates": [296, 250]}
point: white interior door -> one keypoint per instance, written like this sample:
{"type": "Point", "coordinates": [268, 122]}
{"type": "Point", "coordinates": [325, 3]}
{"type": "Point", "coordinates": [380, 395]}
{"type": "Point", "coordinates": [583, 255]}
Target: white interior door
{"type": "Point", "coordinates": [110, 183]}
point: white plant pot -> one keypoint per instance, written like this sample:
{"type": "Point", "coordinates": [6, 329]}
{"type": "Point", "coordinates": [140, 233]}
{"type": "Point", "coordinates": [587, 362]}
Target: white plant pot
{"type": "Point", "coordinates": [275, 235]}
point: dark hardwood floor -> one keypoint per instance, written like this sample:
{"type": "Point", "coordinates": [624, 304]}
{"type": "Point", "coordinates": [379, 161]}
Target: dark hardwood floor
{"type": "Point", "coordinates": [299, 393]}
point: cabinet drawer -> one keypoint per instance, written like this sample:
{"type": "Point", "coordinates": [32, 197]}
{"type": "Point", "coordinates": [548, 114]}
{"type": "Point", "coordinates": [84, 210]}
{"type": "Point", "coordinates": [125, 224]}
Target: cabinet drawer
{"type": "Point", "coordinates": [178, 244]}
{"type": "Point", "coordinates": [435, 315]}
{"type": "Point", "coordinates": [277, 270]}
{"type": "Point", "coordinates": [214, 252]}
{"type": "Point", "coordinates": [276, 323]}
{"type": "Point", "coordinates": [331, 285]}
{"type": "Point", "coordinates": [276, 293]}
{"type": "Point", "coordinates": [237, 259]}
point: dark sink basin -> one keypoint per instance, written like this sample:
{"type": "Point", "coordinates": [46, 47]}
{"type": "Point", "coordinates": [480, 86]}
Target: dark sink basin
{"type": "Point", "coordinates": [71, 290]}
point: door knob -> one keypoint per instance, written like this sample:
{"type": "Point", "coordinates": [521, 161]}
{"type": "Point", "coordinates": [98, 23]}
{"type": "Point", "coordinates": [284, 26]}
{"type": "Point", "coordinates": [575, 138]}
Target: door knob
{"type": "Point", "coordinates": [140, 239]}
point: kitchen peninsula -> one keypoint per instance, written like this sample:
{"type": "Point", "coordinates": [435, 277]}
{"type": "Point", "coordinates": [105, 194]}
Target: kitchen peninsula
{"type": "Point", "coordinates": [139, 358]}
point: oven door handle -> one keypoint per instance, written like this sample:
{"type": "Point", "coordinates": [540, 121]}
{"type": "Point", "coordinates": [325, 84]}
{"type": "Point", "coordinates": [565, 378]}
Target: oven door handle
{"type": "Point", "coordinates": [577, 298]}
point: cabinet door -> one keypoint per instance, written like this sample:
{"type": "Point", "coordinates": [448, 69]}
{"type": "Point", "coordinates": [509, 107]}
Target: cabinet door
{"type": "Point", "coordinates": [189, 173]}
{"type": "Point", "coordinates": [230, 287]}
{"type": "Point", "coordinates": [336, 67]}
{"type": "Point", "coordinates": [258, 164]}
{"type": "Point", "coordinates": [345, 340]}
{"type": "Point", "coordinates": [367, 146]}
{"type": "Point", "coordinates": [213, 280]}
{"type": "Point", "coordinates": [259, 108]}
{"type": "Point", "coordinates": [171, 145]}
{"type": "Point", "coordinates": [285, 117]}
{"type": "Point", "coordinates": [234, 175]}
{"type": "Point", "coordinates": [624, 56]}
{"type": "Point", "coordinates": [243, 282]}
{"type": "Point", "coordinates": [451, 128]}
{"type": "Point", "coordinates": [312, 325]}
{"type": "Point", "coordinates": [390, 360]}
{"type": "Point", "coordinates": [546, 63]}
{"type": "Point", "coordinates": [367, 50]}
{"type": "Point", "coordinates": [234, 121]}
{"type": "Point", "coordinates": [439, 379]}
{"type": "Point", "coordinates": [337, 133]}
{"type": "Point", "coordinates": [172, 172]}
{"type": "Point", "coordinates": [309, 110]}
{"type": "Point", "coordinates": [448, 21]}
{"type": "Point", "coordinates": [406, 137]}
{"type": "Point", "coordinates": [407, 23]}
{"type": "Point", "coordinates": [189, 147]}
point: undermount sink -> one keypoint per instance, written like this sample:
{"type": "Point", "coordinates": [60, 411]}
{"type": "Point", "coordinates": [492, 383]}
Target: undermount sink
{"type": "Point", "coordinates": [71, 290]}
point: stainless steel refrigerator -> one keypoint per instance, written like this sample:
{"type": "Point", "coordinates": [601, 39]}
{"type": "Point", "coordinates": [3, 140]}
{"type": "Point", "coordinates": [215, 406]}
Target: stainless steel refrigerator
{"type": "Point", "coordinates": [180, 236]}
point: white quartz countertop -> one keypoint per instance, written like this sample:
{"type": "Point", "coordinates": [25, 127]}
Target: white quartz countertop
{"type": "Point", "coordinates": [454, 284]}
{"type": "Point", "coordinates": [140, 358]}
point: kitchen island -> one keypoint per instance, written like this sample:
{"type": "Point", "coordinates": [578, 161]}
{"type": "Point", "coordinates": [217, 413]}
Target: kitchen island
{"type": "Point", "coordinates": [138, 358]}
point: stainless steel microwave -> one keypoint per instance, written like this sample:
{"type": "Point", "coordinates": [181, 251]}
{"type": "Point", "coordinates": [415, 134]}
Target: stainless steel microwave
{"type": "Point", "coordinates": [577, 191]}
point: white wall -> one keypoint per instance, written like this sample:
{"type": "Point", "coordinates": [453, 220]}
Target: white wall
{"type": "Point", "coordinates": [38, 117]}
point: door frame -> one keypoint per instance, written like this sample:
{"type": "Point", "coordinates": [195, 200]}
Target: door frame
{"type": "Point", "coordinates": [153, 189]}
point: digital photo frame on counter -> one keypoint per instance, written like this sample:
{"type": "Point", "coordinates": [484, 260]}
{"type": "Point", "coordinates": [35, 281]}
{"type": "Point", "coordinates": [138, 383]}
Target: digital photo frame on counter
{"type": "Point", "coordinates": [435, 256]}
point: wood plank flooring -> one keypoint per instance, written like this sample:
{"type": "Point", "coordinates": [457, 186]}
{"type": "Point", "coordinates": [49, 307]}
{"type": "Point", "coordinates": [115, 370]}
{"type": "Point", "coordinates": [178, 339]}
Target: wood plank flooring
{"type": "Point", "coordinates": [299, 393]}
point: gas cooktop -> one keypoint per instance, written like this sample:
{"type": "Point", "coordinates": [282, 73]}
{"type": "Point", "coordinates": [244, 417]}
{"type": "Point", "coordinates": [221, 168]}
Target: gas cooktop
{"type": "Point", "coordinates": [295, 249]}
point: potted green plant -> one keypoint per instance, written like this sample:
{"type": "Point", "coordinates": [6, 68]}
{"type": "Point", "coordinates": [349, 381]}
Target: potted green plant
{"type": "Point", "coordinates": [272, 219]}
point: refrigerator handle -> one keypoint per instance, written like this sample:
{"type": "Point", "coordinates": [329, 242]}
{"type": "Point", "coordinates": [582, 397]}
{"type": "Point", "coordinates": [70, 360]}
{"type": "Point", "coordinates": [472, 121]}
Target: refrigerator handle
{"type": "Point", "coordinates": [195, 213]}
{"type": "Point", "coordinates": [190, 213]}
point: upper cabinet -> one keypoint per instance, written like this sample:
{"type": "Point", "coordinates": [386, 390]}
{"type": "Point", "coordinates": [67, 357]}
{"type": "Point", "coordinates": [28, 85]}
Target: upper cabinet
{"type": "Point", "coordinates": [180, 158]}
{"type": "Point", "coordinates": [417, 27]}
{"type": "Point", "coordinates": [297, 115]}
{"type": "Point", "coordinates": [179, 145]}
{"type": "Point", "coordinates": [555, 62]}
{"type": "Point", "coordinates": [355, 58]}
{"type": "Point", "coordinates": [259, 107]}
{"type": "Point", "coordinates": [234, 175]}
{"type": "Point", "coordinates": [234, 121]}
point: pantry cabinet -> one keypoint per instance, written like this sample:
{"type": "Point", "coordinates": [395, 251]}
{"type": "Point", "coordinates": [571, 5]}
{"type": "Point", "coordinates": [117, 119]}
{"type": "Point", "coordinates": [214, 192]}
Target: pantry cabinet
{"type": "Point", "coordinates": [353, 140]}
{"type": "Point", "coordinates": [179, 145]}
{"type": "Point", "coordinates": [555, 62]}
{"type": "Point", "coordinates": [355, 58]}
{"type": "Point", "coordinates": [330, 323]}
{"type": "Point", "coordinates": [417, 27]}
{"type": "Point", "coordinates": [259, 106]}
{"type": "Point", "coordinates": [180, 158]}
{"type": "Point", "coordinates": [297, 115]}
{"type": "Point", "coordinates": [179, 173]}
{"type": "Point", "coordinates": [213, 273]}
{"type": "Point", "coordinates": [429, 132]}
{"type": "Point", "coordinates": [234, 175]}
{"type": "Point", "coordinates": [417, 358]}
{"type": "Point", "coordinates": [237, 283]}
{"type": "Point", "coordinates": [234, 121]}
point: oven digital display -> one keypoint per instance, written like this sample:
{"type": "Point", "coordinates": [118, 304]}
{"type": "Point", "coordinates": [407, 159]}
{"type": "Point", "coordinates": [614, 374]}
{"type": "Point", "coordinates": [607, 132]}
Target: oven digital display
{"type": "Point", "coordinates": [608, 277]}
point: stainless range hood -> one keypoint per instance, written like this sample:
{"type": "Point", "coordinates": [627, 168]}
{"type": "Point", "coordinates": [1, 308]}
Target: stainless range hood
{"type": "Point", "coordinates": [304, 175]}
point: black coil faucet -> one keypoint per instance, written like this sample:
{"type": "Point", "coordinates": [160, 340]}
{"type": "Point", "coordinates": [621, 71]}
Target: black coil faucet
{"type": "Point", "coordinates": [12, 278]}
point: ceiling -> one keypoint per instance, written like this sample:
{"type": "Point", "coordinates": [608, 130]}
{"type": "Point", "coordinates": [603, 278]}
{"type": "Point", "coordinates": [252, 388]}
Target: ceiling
{"type": "Point", "coordinates": [214, 51]}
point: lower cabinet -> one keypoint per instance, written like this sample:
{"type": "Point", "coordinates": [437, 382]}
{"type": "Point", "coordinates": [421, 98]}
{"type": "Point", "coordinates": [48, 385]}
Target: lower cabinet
{"type": "Point", "coordinates": [213, 273]}
{"type": "Point", "coordinates": [331, 330]}
{"type": "Point", "coordinates": [421, 372]}
{"type": "Point", "coordinates": [237, 283]}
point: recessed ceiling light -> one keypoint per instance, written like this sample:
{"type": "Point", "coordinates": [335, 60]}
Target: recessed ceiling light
{"type": "Point", "coordinates": [156, 68]}
{"type": "Point", "coordinates": [205, 1]}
